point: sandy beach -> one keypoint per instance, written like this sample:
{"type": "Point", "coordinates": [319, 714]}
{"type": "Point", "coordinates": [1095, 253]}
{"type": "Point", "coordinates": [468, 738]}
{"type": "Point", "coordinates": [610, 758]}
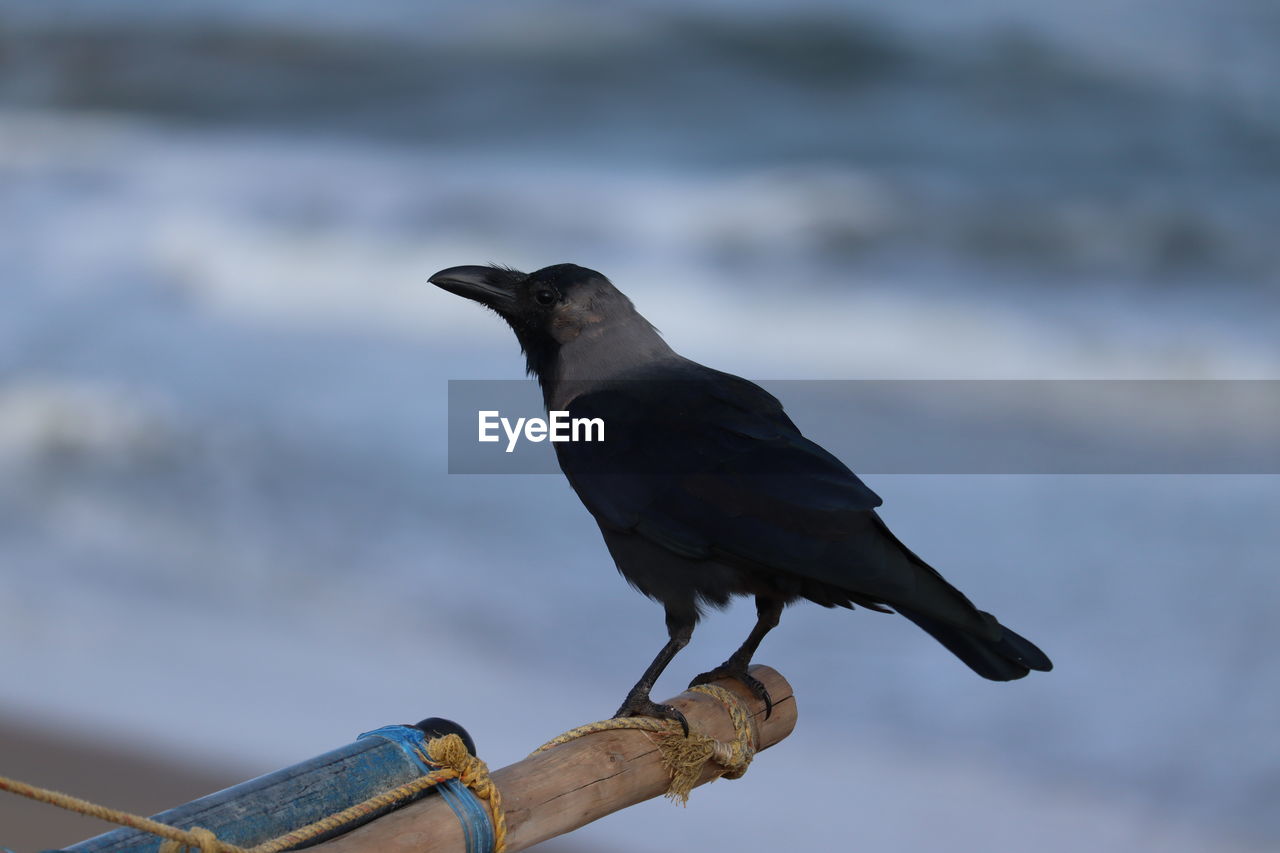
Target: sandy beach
{"type": "Point", "coordinates": [109, 774]}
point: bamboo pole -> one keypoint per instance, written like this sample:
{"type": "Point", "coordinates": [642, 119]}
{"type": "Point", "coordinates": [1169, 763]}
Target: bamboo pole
{"type": "Point", "coordinates": [573, 784]}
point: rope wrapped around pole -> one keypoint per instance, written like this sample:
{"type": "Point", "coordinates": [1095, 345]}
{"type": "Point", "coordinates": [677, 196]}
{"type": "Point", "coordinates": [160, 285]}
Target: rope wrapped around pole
{"type": "Point", "coordinates": [594, 771]}
{"type": "Point", "coordinates": [580, 776]}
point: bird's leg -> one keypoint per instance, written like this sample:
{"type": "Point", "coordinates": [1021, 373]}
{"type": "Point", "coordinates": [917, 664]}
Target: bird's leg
{"type": "Point", "coordinates": [638, 703]}
{"type": "Point", "coordinates": [768, 612]}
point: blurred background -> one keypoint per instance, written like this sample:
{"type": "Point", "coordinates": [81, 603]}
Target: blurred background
{"type": "Point", "coordinates": [227, 538]}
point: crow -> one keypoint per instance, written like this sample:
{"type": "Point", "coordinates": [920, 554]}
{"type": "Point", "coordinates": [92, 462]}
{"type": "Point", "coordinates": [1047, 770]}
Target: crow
{"type": "Point", "coordinates": [704, 488]}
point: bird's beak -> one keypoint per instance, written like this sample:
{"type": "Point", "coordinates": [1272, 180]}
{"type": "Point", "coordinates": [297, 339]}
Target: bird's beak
{"type": "Point", "coordinates": [490, 286]}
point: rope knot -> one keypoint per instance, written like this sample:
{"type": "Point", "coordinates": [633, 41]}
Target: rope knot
{"type": "Point", "coordinates": [685, 757]}
{"type": "Point", "coordinates": [450, 753]}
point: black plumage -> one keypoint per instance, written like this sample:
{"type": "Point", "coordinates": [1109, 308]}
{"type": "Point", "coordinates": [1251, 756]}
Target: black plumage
{"type": "Point", "coordinates": [705, 489]}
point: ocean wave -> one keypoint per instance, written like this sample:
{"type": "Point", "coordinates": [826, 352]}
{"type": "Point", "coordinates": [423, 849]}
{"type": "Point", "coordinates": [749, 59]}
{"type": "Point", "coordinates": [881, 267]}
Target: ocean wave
{"type": "Point", "coordinates": [848, 137]}
{"type": "Point", "coordinates": [340, 235]}
{"type": "Point", "coordinates": [56, 422]}
{"type": "Point", "coordinates": [678, 82]}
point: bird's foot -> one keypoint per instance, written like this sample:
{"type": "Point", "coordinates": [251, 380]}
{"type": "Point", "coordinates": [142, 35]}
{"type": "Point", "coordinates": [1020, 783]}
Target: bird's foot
{"type": "Point", "coordinates": [640, 705]}
{"type": "Point", "coordinates": [739, 674]}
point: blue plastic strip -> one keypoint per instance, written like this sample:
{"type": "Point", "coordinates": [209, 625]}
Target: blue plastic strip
{"type": "Point", "coordinates": [409, 739]}
{"type": "Point", "coordinates": [477, 829]}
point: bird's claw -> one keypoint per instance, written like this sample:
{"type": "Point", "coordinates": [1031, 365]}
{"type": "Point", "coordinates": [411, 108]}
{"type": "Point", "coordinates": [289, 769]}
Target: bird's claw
{"type": "Point", "coordinates": [643, 706]}
{"type": "Point", "coordinates": [743, 677]}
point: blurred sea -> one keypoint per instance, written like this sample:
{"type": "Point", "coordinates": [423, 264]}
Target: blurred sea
{"type": "Point", "coordinates": [223, 382]}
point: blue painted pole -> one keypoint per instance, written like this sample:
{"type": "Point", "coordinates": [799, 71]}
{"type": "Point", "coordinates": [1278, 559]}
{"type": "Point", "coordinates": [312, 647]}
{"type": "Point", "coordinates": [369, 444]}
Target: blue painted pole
{"type": "Point", "coordinates": [269, 806]}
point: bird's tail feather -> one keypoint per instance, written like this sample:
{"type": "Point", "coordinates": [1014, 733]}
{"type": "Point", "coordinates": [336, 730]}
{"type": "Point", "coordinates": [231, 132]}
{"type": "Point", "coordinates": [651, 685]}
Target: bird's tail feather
{"type": "Point", "coordinates": [1011, 656]}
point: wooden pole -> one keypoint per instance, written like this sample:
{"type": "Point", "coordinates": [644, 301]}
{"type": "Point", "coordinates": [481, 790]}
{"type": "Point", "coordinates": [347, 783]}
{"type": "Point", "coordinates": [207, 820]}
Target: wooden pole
{"type": "Point", "coordinates": [573, 784]}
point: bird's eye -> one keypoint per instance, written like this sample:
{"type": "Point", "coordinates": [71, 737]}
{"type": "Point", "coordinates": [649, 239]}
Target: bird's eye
{"type": "Point", "coordinates": [544, 297]}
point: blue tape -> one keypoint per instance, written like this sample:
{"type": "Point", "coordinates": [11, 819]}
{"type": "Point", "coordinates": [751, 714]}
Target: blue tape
{"type": "Point", "coordinates": [411, 740]}
{"type": "Point", "coordinates": [477, 829]}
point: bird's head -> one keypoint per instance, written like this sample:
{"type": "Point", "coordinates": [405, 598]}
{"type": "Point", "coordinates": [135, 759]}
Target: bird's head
{"type": "Point", "coordinates": [548, 309]}
{"type": "Point", "coordinates": [561, 301]}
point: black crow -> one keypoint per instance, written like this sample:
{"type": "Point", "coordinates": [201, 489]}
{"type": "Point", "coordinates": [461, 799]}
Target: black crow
{"type": "Point", "coordinates": [704, 489]}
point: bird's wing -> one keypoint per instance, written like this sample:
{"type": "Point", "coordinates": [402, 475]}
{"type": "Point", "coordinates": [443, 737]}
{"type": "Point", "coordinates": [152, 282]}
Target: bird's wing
{"type": "Point", "coordinates": [711, 467]}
